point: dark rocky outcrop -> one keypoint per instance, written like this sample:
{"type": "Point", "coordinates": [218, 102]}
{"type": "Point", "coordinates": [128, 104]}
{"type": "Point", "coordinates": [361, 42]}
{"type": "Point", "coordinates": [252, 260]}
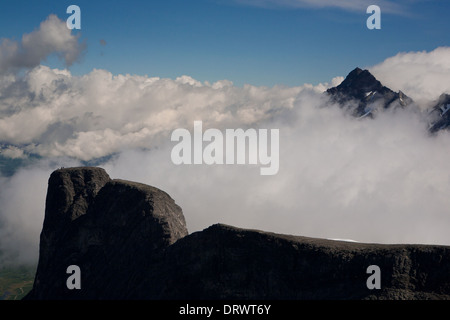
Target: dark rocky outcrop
{"type": "Point", "coordinates": [130, 242]}
{"type": "Point", "coordinates": [111, 229]}
{"type": "Point", "coordinates": [224, 262]}
{"type": "Point", "coordinates": [69, 194]}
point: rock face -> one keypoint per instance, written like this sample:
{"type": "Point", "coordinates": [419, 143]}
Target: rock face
{"type": "Point", "coordinates": [111, 229]}
{"type": "Point", "coordinates": [69, 194]}
{"type": "Point", "coordinates": [130, 242]}
{"type": "Point", "coordinates": [224, 262]}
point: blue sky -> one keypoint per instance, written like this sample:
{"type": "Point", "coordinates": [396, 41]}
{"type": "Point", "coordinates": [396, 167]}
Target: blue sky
{"type": "Point", "coordinates": [256, 42]}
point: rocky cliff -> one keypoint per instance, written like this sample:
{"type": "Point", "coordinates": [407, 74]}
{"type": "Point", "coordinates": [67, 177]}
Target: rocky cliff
{"type": "Point", "coordinates": [112, 229]}
{"type": "Point", "coordinates": [131, 242]}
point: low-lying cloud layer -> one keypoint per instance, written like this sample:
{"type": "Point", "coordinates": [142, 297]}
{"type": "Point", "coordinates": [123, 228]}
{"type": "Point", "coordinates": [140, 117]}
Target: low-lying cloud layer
{"type": "Point", "coordinates": [372, 180]}
{"type": "Point", "coordinates": [100, 114]}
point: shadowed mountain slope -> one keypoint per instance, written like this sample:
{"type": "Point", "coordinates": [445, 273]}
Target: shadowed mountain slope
{"type": "Point", "coordinates": [131, 242]}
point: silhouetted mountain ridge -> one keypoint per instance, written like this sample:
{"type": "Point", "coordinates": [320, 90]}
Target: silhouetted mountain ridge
{"type": "Point", "coordinates": [131, 242]}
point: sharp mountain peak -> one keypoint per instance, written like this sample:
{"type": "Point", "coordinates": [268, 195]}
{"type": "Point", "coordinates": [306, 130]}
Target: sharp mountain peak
{"type": "Point", "coordinates": [364, 94]}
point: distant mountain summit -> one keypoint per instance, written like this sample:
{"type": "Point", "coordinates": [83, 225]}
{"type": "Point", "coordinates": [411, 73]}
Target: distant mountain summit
{"type": "Point", "coordinates": [439, 114]}
{"type": "Point", "coordinates": [364, 94]}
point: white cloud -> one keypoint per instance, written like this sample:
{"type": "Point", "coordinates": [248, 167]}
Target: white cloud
{"type": "Point", "coordinates": [98, 114]}
{"type": "Point", "coordinates": [421, 75]}
{"type": "Point", "coordinates": [373, 180]}
{"type": "Point", "coordinates": [53, 36]}
{"type": "Point", "coordinates": [350, 5]}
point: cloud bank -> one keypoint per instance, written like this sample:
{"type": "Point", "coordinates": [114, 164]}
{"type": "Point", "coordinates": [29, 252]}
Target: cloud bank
{"type": "Point", "coordinates": [99, 114]}
{"type": "Point", "coordinates": [421, 75]}
{"type": "Point", "coordinates": [374, 180]}
{"type": "Point", "coordinates": [381, 180]}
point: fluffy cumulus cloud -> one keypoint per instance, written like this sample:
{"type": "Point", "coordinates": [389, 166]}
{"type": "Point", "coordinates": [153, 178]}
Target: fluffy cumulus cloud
{"type": "Point", "coordinates": [372, 180]}
{"type": "Point", "coordinates": [53, 36]}
{"type": "Point", "coordinates": [421, 75]}
{"type": "Point", "coordinates": [99, 114]}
